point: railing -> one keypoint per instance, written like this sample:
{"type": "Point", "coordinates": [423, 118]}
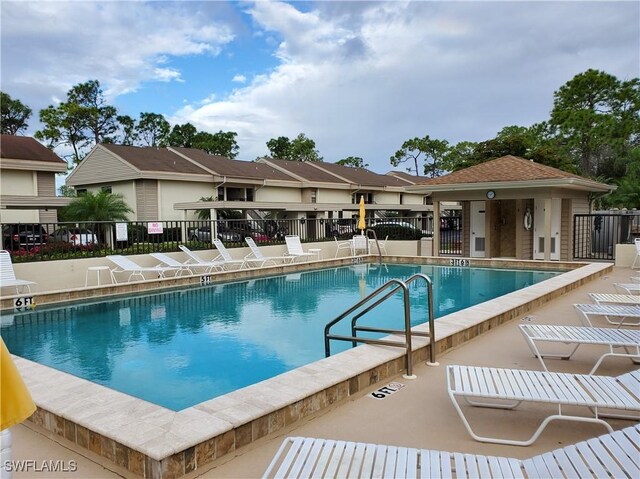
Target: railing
{"type": "Point", "coordinates": [595, 235]}
{"type": "Point", "coordinates": [48, 241]}
{"type": "Point", "coordinates": [450, 235]}
{"type": "Point", "coordinates": [382, 294]}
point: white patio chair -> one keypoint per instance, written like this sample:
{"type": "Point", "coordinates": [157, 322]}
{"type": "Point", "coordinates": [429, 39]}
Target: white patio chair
{"type": "Point", "coordinates": [627, 339]}
{"type": "Point", "coordinates": [8, 276]}
{"type": "Point", "coordinates": [507, 388]}
{"type": "Point", "coordinates": [616, 454]}
{"type": "Point", "coordinates": [609, 312]}
{"type": "Point", "coordinates": [294, 248]}
{"type": "Point", "coordinates": [127, 265]}
{"type": "Point", "coordinates": [381, 245]}
{"type": "Point", "coordinates": [174, 263]}
{"type": "Point", "coordinates": [628, 288]}
{"type": "Point", "coordinates": [604, 298]}
{"type": "Point", "coordinates": [227, 259]}
{"type": "Point", "coordinates": [208, 265]}
{"type": "Point", "coordinates": [341, 245]}
{"type": "Point", "coordinates": [256, 255]}
{"type": "Point", "coordinates": [637, 258]}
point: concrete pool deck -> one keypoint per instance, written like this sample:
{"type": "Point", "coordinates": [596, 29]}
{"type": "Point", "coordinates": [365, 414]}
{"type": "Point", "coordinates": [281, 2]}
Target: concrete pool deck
{"type": "Point", "coordinates": [401, 419]}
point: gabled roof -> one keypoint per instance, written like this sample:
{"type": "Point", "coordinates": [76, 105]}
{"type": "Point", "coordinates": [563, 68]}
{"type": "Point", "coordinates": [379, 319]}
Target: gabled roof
{"type": "Point", "coordinates": [26, 148]}
{"type": "Point", "coordinates": [303, 171]}
{"type": "Point", "coordinates": [407, 177]}
{"type": "Point", "coordinates": [510, 171]}
{"type": "Point", "coordinates": [505, 168]}
{"type": "Point", "coordinates": [223, 166]}
{"type": "Point", "coordinates": [320, 171]}
{"type": "Point", "coordinates": [154, 159]}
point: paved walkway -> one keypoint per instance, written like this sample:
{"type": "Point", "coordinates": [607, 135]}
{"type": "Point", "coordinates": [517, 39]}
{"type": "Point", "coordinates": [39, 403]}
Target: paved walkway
{"type": "Point", "coordinates": [419, 415]}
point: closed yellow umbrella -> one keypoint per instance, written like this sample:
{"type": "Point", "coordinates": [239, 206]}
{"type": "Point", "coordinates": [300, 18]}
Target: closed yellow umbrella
{"type": "Point", "coordinates": [361, 222]}
{"type": "Point", "coordinates": [16, 404]}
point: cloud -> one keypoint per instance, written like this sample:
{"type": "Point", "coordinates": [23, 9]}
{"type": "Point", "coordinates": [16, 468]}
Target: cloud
{"type": "Point", "coordinates": [123, 44]}
{"type": "Point", "coordinates": [239, 79]}
{"type": "Point", "coordinates": [361, 77]}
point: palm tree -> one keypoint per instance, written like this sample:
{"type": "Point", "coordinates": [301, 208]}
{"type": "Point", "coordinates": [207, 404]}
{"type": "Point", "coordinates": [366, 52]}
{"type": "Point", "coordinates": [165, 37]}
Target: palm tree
{"type": "Point", "coordinates": [93, 207]}
{"type": "Point", "coordinates": [101, 206]}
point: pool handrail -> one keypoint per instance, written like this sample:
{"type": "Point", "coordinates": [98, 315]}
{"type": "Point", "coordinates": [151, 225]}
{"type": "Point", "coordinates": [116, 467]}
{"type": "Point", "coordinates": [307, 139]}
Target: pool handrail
{"type": "Point", "coordinates": [397, 284]}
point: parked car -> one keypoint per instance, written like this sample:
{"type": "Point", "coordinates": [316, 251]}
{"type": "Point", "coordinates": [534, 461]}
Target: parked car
{"type": "Point", "coordinates": [75, 236]}
{"type": "Point", "coordinates": [23, 236]}
{"type": "Point", "coordinates": [204, 234]}
{"type": "Point", "coordinates": [200, 234]}
{"type": "Point", "coordinates": [397, 230]}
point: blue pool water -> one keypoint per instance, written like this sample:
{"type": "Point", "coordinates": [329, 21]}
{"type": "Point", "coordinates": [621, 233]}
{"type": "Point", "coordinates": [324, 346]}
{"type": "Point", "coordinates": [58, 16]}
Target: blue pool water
{"type": "Point", "coordinates": [182, 347]}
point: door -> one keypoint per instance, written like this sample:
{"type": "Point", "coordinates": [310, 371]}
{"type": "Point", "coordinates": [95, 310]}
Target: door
{"type": "Point", "coordinates": [478, 239]}
{"type": "Point", "coordinates": [539, 229]}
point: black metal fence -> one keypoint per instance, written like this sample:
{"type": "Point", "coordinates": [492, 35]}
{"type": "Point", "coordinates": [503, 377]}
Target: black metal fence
{"type": "Point", "coordinates": [595, 235]}
{"type": "Point", "coordinates": [51, 241]}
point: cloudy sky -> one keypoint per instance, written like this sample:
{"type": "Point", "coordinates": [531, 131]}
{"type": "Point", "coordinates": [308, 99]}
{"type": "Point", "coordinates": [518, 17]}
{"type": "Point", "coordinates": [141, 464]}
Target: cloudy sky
{"type": "Point", "coordinates": [357, 77]}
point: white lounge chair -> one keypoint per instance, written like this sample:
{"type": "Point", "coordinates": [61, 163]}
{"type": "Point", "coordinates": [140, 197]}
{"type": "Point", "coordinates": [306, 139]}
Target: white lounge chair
{"type": "Point", "coordinates": [600, 298]}
{"type": "Point", "coordinates": [226, 256]}
{"type": "Point", "coordinates": [341, 245]}
{"type": "Point", "coordinates": [507, 388]}
{"type": "Point", "coordinates": [616, 454]}
{"type": "Point", "coordinates": [197, 261]}
{"type": "Point", "coordinates": [628, 288]}
{"type": "Point", "coordinates": [609, 311]}
{"type": "Point", "coordinates": [256, 255]}
{"type": "Point", "coordinates": [8, 276]}
{"type": "Point", "coordinates": [127, 265]}
{"type": "Point", "coordinates": [578, 335]}
{"type": "Point", "coordinates": [294, 248]}
{"type": "Point", "coordinates": [174, 263]}
{"type": "Point", "coordinates": [380, 245]}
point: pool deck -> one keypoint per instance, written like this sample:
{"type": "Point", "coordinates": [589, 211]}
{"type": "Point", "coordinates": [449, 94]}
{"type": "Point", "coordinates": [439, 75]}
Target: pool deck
{"type": "Point", "coordinates": [419, 415]}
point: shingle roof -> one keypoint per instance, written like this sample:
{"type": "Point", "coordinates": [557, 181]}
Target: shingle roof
{"type": "Point", "coordinates": [321, 171]}
{"type": "Point", "coordinates": [361, 176]}
{"type": "Point", "coordinates": [503, 169]}
{"type": "Point", "coordinates": [234, 168]}
{"type": "Point", "coordinates": [26, 148]}
{"type": "Point", "coordinates": [155, 159]}
{"type": "Point", "coordinates": [408, 177]}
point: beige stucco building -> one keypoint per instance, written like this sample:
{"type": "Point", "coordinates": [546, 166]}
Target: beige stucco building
{"type": "Point", "coordinates": [27, 181]}
{"type": "Point", "coordinates": [514, 208]}
{"type": "Point", "coordinates": [167, 184]}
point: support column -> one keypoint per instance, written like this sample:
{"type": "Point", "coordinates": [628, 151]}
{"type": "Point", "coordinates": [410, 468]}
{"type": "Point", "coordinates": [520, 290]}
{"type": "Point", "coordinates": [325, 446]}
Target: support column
{"type": "Point", "coordinates": [547, 229]}
{"type": "Point", "coordinates": [436, 228]}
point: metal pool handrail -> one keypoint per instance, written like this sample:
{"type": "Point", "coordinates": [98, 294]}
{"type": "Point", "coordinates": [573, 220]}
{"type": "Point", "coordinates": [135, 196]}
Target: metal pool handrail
{"type": "Point", "coordinates": [389, 289]}
{"type": "Point", "coordinates": [375, 237]}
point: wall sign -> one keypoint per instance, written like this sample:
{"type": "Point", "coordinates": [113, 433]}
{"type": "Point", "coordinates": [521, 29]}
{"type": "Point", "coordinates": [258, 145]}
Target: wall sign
{"type": "Point", "coordinates": [155, 228]}
{"type": "Point", "coordinates": [386, 391]}
{"type": "Point", "coordinates": [459, 262]}
{"type": "Point", "coordinates": [23, 304]}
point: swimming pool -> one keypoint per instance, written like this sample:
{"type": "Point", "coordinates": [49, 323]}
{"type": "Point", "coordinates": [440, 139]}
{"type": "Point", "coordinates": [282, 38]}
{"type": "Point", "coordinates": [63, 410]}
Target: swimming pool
{"type": "Point", "coordinates": [181, 347]}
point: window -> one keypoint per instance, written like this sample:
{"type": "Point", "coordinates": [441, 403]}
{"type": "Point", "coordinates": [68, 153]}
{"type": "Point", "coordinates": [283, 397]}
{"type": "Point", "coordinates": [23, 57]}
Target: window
{"type": "Point", "coordinates": [106, 189]}
{"type": "Point", "coordinates": [81, 191]}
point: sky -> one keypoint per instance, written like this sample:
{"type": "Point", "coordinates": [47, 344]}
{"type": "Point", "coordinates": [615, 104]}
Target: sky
{"type": "Point", "coordinates": [359, 78]}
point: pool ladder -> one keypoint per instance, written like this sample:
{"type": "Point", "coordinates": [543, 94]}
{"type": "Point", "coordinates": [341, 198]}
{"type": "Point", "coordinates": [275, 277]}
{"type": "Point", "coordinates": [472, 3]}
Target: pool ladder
{"type": "Point", "coordinates": [380, 295]}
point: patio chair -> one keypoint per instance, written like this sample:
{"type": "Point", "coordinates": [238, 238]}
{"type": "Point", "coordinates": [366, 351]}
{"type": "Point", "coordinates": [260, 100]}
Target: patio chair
{"type": "Point", "coordinates": [637, 258]}
{"type": "Point", "coordinates": [615, 454]}
{"type": "Point", "coordinates": [8, 276]}
{"type": "Point", "coordinates": [381, 245]}
{"type": "Point", "coordinates": [174, 263]}
{"type": "Point", "coordinates": [615, 314]}
{"type": "Point", "coordinates": [226, 256]}
{"type": "Point", "coordinates": [127, 265]}
{"type": "Point", "coordinates": [507, 388]}
{"type": "Point", "coordinates": [256, 255]}
{"type": "Point", "coordinates": [294, 248]}
{"type": "Point", "coordinates": [628, 288]}
{"type": "Point", "coordinates": [341, 245]}
{"type": "Point", "coordinates": [627, 339]}
{"type": "Point", "coordinates": [208, 265]}
{"type": "Point", "coordinates": [600, 298]}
